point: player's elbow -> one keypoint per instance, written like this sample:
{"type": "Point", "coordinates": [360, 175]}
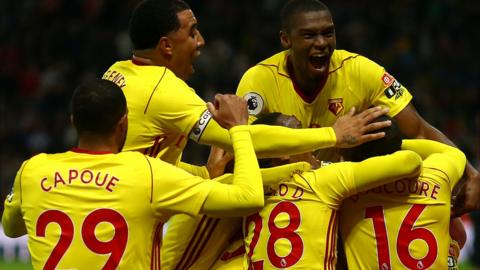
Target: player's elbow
{"type": "Point", "coordinates": [411, 161]}
{"type": "Point", "coordinates": [12, 230]}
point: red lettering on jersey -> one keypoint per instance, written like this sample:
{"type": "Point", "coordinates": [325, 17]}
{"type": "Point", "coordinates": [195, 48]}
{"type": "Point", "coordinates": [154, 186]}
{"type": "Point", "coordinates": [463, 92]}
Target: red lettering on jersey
{"type": "Point", "coordinates": [434, 192]}
{"type": "Point", "coordinates": [72, 175]}
{"type": "Point", "coordinates": [84, 179]}
{"type": "Point", "coordinates": [387, 79]}
{"type": "Point", "coordinates": [44, 188]}
{"type": "Point", "coordinates": [424, 189]}
{"type": "Point", "coordinates": [58, 179]}
{"type": "Point", "coordinates": [98, 177]}
{"type": "Point", "coordinates": [335, 105]}
{"type": "Point", "coordinates": [298, 193]}
{"type": "Point", "coordinates": [111, 183]}
{"type": "Point", "coordinates": [282, 189]}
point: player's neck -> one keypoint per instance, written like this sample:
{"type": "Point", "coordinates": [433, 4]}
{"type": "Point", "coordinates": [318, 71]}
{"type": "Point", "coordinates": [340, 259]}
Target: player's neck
{"type": "Point", "coordinates": [305, 86]}
{"type": "Point", "coordinates": [147, 57]}
{"type": "Point", "coordinates": [96, 143]}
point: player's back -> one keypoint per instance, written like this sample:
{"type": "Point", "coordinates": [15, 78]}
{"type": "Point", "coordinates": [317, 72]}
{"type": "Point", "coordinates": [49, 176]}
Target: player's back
{"type": "Point", "coordinates": [88, 211]}
{"type": "Point", "coordinates": [297, 227]}
{"type": "Point", "coordinates": [162, 109]}
{"type": "Point", "coordinates": [404, 223]}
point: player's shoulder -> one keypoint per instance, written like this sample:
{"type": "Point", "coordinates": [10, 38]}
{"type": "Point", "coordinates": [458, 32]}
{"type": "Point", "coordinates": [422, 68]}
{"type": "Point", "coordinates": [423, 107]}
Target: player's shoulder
{"type": "Point", "coordinates": [272, 65]}
{"type": "Point", "coordinates": [345, 60]}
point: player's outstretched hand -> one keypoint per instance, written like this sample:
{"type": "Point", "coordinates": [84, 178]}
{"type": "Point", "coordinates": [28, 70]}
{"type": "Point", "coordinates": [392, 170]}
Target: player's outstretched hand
{"type": "Point", "coordinates": [229, 110]}
{"type": "Point", "coordinates": [353, 130]}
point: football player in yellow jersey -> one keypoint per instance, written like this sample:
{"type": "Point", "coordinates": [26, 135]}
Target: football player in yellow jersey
{"type": "Point", "coordinates": [317, 83]}
{"type": "Point", "coordinates": [95, 208]}
{"type": "Point", "coordinates": [404, 224]}
{"type": "Point", "coordinates": [297, 228]}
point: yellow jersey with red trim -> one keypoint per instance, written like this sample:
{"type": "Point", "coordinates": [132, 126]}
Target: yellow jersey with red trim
{"type": "Point", "coordinates": [404, 224]}
{"type": "Point", "coordinates": [353, 81]}
{"type": "Point", "coordinates": [99, 211]}
{"type": "Point", "coordinates": [297, 228]}
{"type": "Point", "coordinates": [162, 109]}
{"type": "Point", "coordinates": [199, 243]}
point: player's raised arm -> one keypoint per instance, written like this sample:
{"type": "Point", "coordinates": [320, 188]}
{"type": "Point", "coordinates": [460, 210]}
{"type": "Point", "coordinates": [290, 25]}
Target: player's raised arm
{"type": "Point", "coordinates": [348, 131]}
{"type": "Point", "coordinates": [231, 113]}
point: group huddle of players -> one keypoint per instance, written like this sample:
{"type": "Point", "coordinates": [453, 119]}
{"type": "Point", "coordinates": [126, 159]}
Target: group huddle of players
{"type": "Point", "coordinates": [123, 199]}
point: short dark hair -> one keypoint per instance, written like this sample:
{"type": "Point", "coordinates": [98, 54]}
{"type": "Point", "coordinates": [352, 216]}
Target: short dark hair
{"type": "Point", "coordinates": [97, 106]}
{"type": "Point", "coordinates": [292, 7]}
{"type": "Point", "coordinates": [390, 143]}
{"type": "Point", "coordinates": [268, 119]}
{"type": "Point", "coordinates": [153, 19]}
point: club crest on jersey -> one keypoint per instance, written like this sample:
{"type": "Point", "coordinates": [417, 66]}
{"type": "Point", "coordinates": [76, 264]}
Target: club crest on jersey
{"type": "Point", "coordinates": [254, 102]}
{"type": "Point", "coordinates": [395, 90]}
{"type": "Point", "coordinates": [335, 105]}
{"type": "Point", "coordinates": [387, 79]}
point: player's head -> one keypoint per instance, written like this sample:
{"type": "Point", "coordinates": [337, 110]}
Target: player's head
{"type": "Point", "coordinates": [99, 110]}
{"type": "Point", "coordinates": [390, 143]}
{"type": "Point", "coordinates": [168, 28]}
{"type": "Point", "coordinates": [278, 119]}
{"type": "Point", "coordinates": [309, 33]}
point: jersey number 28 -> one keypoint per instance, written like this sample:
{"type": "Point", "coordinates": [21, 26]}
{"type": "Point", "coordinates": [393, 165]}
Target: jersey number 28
{"type": "Point", "coordinates": [116, 246]}
{"type": "Point", "coordinates": [277, 233]}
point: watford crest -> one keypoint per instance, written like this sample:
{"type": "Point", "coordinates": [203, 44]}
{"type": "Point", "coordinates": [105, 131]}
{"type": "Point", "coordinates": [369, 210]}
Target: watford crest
{"type": "Point", "coordinates": [335, 105]}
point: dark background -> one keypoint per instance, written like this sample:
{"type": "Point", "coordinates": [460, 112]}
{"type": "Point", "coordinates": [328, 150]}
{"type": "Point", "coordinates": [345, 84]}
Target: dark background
{"type": "Point", "coordinates": [48, 47]}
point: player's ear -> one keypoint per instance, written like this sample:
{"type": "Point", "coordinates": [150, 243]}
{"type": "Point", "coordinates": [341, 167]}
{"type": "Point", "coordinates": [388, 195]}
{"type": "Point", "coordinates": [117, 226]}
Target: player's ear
{"type": "Point", "coordinates": [285, 40]}
{"type": "Point", "coordinates": [165, 45]}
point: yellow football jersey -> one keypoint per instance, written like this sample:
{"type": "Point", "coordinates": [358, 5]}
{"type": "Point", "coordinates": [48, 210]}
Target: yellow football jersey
{"type": "Point", "coordinates": [198, 242]}
{"type": "Point", "coordinates": [162, 109]}
{"type": "Point", "coordinates": [404, 224]}
{"type": "Point", "coordinates": [353, 81]}
{"type": "Point", "coordinates": [297, 228]}
{"type": "Point", "coordinates": [87, 211]}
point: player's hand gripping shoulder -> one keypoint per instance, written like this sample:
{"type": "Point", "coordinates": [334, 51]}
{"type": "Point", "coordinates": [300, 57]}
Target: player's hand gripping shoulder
{"type": "Point", "coordinates": [229, 110]}
{"type": "Point", "coordinates": [352, 130]}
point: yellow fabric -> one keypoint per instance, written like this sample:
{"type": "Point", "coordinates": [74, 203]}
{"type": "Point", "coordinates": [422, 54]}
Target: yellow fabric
{"type": "Point", "coordinates": [201, 171]}
{"type": "Point", "coordinates": [162, 109]}
{"type": "Point", "coordinates": [140, 192]}
{"type": "Point", "coordinates": [353, 81]}
{"type": "Point", "coordinates": [299, 222]}
{"type": "Point", "coordinates": [198, 241]}
{"type": "Point", "coordinates": [430, 192]}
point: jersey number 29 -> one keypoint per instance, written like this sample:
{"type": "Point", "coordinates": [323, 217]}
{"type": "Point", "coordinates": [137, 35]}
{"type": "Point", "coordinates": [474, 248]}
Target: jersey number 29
{"type": "Point", "coordinates": [116, 246]}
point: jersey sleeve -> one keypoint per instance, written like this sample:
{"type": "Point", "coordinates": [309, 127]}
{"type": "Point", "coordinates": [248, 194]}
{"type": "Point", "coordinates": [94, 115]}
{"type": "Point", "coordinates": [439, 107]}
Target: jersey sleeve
{"type": "Point", "coordinates": [274, 141]}
{"type": "Point", "coordinates": [448, 162]}
{"type": "Point", "coordinates": [337, 181]}
{"type": "Point", "coordinates": [384, 89]}
{"type": "Point", "coordinates": [251, 88]}
{"type": "Point", "coordinates": [12, 220]}
{"type": "Point", "coordinates": [174, 190]}
{"type": "Point", "coordinates": [201, 171]}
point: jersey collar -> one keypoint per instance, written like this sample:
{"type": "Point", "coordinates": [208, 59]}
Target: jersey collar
{"type": "Point", "coordinates": [91, 152]}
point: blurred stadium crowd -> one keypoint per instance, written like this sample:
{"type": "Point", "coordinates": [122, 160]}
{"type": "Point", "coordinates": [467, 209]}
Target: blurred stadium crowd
{"type": "Point", "coordinates": [47, 47]}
